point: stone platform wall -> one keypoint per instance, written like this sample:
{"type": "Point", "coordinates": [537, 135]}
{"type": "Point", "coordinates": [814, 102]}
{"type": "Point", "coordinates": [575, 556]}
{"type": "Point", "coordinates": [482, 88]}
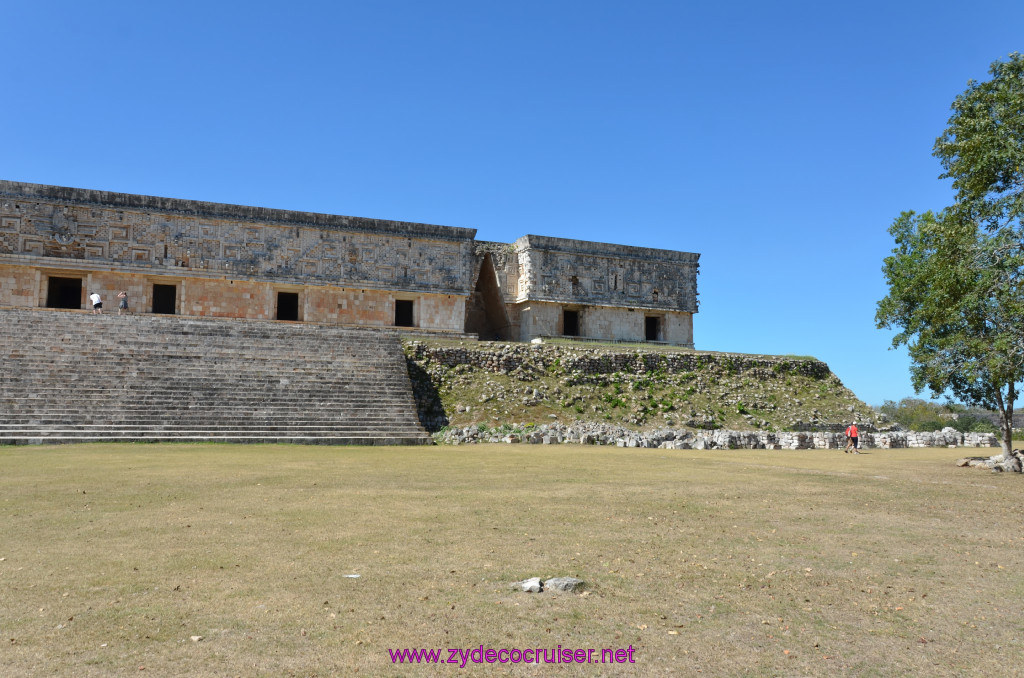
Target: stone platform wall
{"type": "Point", "coordinates": [590, 361]}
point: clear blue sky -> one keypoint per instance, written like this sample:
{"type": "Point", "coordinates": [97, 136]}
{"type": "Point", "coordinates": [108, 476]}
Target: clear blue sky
{"type": "Point", "coordinates": [777, 139]}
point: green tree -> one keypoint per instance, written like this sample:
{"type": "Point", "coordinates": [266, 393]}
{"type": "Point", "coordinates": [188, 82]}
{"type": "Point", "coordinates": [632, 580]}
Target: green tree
{"type": "Point", "coordinates": [916, 414]}
{"type": "Point", "coordinates": [982, 149]}
{"type": "Point", "coordinates": [956, 278]}
{"type": "Point", "coordinates": [955, 297]}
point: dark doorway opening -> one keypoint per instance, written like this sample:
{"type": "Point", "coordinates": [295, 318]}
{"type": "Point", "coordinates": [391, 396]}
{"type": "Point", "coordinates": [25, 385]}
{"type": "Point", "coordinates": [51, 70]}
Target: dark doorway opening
{"type": "Point", "coordinates": [165, 299]}
{"type": "Point", "coordinates": [287, 305]}
{"type": "Point", "coordinates": [571, 323]}
{"type": "Point", "coordinates": [403, 313]}
{"type": "Point", "coordinates": [652, 328]}
{"type": "Point", "coordinates": [485, 310]}
{"type": "Point", "coordinates": [64, 293]}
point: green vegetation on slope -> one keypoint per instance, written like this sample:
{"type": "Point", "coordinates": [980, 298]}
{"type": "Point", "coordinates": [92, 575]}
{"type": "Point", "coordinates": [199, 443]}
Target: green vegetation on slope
{"type": "Point", "coordinates": [491, 383]}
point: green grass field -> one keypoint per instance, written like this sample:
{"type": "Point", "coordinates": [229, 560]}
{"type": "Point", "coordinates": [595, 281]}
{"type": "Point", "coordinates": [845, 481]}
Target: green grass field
{"type": "Point", "coordinates": [730, 563]}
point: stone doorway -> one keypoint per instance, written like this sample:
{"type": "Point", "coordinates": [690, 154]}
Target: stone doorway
{"type": "Point", "coordinates": [403, 313]}
{"type": "Point", "coordinates": [165, 299]}
{"type": "Point", "coordinates": [64, 293]}
{"type": "Point", "coordinates": [652, 328]}
{"type": "Point", "coordinates": [287, 305]}
{"type": "Point", "coordinates": [571, 323]}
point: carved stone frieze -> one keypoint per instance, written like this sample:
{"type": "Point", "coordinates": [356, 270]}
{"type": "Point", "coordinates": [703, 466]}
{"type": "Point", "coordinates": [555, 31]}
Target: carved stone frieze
{"type": "Point", "coordinates": [203, 236]}
{"type": "Point", "coordinates": [63, 228]}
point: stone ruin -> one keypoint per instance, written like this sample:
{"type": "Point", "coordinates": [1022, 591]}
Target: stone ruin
{"type": "Point", "coordinates": [592, 433]}
{"type": "Point", "coordinates": [185, 257]}
{"type": "Point", "coordinates": [1012, 463]}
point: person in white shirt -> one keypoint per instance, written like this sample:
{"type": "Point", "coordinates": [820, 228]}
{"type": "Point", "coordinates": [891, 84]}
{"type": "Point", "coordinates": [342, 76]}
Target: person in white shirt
{"type": "Point", "coordinates": [97, 302]}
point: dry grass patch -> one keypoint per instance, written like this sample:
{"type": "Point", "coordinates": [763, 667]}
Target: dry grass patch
{"type": "Point", "coordinates": [745, 562]}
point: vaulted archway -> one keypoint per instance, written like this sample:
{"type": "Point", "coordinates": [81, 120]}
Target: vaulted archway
{"type": "Point", "coordinates": [486, 314]}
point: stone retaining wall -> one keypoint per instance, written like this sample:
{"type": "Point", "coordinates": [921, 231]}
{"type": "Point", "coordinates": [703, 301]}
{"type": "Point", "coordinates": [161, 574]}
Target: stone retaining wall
{"type": "Point", "coordinates": [601, 434]}
{"type": "Point", "coordinates": [589, 360]}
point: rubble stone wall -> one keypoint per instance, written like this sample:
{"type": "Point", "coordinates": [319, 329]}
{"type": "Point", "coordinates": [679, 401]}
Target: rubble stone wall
{"type": "Point", "coordinates": [585, 361]}
{"type": "Point", "coordinates": [590, 433]}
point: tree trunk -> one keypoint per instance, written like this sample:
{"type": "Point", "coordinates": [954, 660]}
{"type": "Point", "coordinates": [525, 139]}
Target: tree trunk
{"type": "Point", "coordinates": [1006, 422]}
{"type": "Point", "coordinates": [1006, 434]}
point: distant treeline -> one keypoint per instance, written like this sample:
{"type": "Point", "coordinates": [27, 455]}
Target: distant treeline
{"type": "Point", "coordinates": [915, 414]}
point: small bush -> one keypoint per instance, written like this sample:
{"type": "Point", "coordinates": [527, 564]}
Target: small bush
{"type": "Point", "coordinates": [971, 423]}
{"type": "Point", "coordinates": [916, 414]}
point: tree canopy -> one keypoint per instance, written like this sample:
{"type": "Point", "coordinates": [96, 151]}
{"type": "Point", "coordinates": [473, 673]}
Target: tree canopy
{"type": "Point", "coordinates": [956, 277]}
{"type": "Point", "coordinates": [982, 149]}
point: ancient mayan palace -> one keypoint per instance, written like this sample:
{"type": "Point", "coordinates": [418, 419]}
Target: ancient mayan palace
{"type": "Point", "coordinates": [183, 257]}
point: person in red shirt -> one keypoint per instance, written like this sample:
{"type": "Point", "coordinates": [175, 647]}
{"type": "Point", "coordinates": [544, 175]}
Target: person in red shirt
{"type": "Point", "coordinates": [851, 438]}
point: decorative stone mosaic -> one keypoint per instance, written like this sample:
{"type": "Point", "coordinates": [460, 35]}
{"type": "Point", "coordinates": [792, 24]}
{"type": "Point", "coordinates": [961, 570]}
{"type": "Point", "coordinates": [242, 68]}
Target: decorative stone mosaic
{"type": "Point", "coordinates": [54, 222]}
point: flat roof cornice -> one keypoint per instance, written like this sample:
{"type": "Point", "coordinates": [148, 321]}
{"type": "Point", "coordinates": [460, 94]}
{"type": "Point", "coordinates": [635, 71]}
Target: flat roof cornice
{"type": "Point", "coordinates": [148, 203]}
{"type": "Point", "coordinates": [600, 249]}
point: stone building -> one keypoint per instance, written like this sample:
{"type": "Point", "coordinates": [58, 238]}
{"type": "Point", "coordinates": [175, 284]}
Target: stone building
{"type": "Point", "coordinates": [58, 245]}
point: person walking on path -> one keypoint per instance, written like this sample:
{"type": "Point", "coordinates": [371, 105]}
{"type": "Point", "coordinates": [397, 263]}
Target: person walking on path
{"type": "Point", "coordinates": [851, 438]}
{"type": "Point", "coordinates": [97, 303]}
{"type": "Point", "coordinates": [123, 304]}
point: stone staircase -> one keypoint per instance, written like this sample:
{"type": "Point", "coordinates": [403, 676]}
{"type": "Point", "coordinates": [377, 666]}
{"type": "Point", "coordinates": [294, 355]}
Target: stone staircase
{"type": "Point", "coordinates": [69, 376]}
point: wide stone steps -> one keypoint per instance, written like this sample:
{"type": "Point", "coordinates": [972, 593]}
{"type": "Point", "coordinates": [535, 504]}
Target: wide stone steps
{"type": "Point", "coordinates": [115, 380]}
{"type": "Point", "coordinates": [196, 431]}
{"type": "Point", "coordinates": [222, 419]}
{"type": "Point", "coordinates": [153, 404]}
{"type": "Point", "coordinates": [224, 398]}
{"type": "Point", "coordinates": [205, 420]}
{"type": "Point", "coordinates": [208, 414]}
{"type": "Point", "coordinates": [314, 355]}
{"type": "Point", "coordinates": [211, 384]}
{"type": "Point", "coordinates": [40, 431]}
{"type": "Point", "coordinates": [73, 377]}
{"type": "Point", "coordinates": [371, 438]}
{"type": "Point", "coordinates": [135, 431]}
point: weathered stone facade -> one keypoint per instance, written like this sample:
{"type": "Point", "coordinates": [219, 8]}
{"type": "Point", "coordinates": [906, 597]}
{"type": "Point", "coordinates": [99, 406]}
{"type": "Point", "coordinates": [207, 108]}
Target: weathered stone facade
{"type": "Point", "coordinates": [563, 287]}
{"type": "Point", "coordinates": [58, 245]}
